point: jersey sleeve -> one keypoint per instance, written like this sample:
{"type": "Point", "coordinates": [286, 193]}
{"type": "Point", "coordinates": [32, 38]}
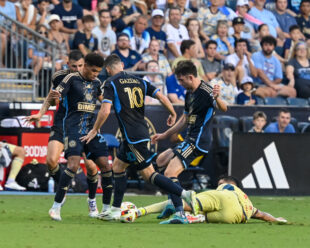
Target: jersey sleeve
{"type": "Point", "coordinates": [150, 90]}
{"type": "Point", "coordinates": [65, 85]}
{"type": "Point", "coordinates": [108, 92]}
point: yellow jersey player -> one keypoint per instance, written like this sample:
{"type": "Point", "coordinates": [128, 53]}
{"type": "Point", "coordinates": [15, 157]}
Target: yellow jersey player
{"type": "Point", "coordinates": [227, 204]}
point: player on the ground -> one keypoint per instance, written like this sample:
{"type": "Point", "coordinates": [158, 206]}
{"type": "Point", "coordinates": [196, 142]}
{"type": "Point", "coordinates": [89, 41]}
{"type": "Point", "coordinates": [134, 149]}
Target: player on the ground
{"type": "Point", "coordinates": [7, 153]}
{"type": "Point", "coordinates": [127, 93]}
{"type": "Point", "coordinates": [80, 92]}
{"type": "Point", "coordinates": [227, 204]}
{"type": "Point", "coordinates": [56, 140]}
{"type": "Point", "coordinates": [201, 100]}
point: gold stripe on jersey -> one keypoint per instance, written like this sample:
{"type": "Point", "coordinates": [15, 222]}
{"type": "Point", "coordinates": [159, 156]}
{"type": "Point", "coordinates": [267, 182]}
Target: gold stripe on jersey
{"type": "Point", "coordinates": [206, 87]}
{"type": "Point", "coordinates": [136, 152]}
{"type": "Point", "coordinates": [59, 73]}
{"type": "Point", "coordinates": [67, 78]}
{"type": "Point", "coordinates": [187, 152]}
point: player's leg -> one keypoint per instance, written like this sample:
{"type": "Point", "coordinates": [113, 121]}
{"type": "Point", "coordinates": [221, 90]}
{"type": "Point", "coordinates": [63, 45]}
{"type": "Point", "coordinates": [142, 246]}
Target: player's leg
{"type": "Point", "coordinates": [164, 158]}
{"type": "Point", "coordinates": [151, 209]}
{"type": "Point", "coordinates": [18, 154]}
{"type": "Point", "coordinates": [54, 150]}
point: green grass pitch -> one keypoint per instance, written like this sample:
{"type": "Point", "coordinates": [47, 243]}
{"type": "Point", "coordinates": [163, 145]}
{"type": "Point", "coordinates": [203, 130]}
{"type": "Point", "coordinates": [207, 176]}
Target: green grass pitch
{"type": "Point", "coordinates": [24, 223]}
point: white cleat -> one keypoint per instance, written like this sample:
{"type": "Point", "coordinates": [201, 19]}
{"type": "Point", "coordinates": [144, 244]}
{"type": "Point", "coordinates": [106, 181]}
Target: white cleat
{"type": "Point", "coordinates": [110, 215]}
{"type": "Point", "coordinates": [1, 188]}
{"type": "Point", "coordinates": [14, 186]}
{"type": "Point", "coordinates": [55, 214]}
{"type": "Point", "coordinates": [92, 208]}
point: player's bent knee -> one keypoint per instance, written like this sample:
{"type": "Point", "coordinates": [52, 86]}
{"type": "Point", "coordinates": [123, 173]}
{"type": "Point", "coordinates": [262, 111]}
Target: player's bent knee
{"type": "Point", "coordinates": [20, 152]}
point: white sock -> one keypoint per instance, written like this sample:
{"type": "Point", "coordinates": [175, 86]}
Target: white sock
{"type": "Point", "coordinates": [106, 207]}
{"type": "Point", "coordinates": [56, 205]}
{"type": "Point", "coordinates": [184, 193]}
{"type": "Point", "coordinates": [115, 209]}
{"type": "Point", "coordinates": [92, 199]}
{"type": "Point", "coordinates": [10, 180]}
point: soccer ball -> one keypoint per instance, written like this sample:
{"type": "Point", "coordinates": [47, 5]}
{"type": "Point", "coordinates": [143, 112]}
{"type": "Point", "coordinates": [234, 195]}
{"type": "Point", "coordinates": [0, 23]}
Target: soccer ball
{"type": "Point", "coordinates": [128, 216]}
{"type": "Point", "coordinates": [127, 206]}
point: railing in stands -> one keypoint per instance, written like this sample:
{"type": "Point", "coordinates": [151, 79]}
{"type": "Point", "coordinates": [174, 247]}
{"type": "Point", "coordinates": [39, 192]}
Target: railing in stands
{"type": "Point", "coordinates": [17, 79]}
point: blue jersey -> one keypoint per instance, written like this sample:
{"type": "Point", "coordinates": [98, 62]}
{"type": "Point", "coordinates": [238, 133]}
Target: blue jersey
{"type": "Point", "coordinates": [199, 108]}
{"type": "Point", "coordinates": [69, 18]}
{"type": "Point", "coordinates": [79, 97]}
{"type": "Point", "coordinates": [127, 93]}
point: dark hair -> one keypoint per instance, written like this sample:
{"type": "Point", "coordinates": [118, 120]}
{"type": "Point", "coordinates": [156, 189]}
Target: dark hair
{"type": "Point", "coordinates": [40, 1]}
{"type": "Point", "coordinates": [186, 67]}
{"type": "Point", "coordinates": [149, 62]}
{"type": "Point", "coordinates": [186, 44]}
{"type": "Point", "coordinates": [304, 1]}
{"type": "Point", "coordinates": [88, 18]}
{"type": "Point", "coordinates": [121, 35]}
{"type": "Point", "coordinates": [240, 41]}
{"type": "Point", "coordinates": [294, 27]}
{"type": "Point", "coordinates": [283, 110]}
{"type": "Point", "coordinates": [189, 20]}
{"type": "Point", "coordinates": [104, 11]}
{"type": "Point", "coordinates": [174, 8]}
{"type": "Point", "coordinates": [268, 40]}
{"type": "Point", "coordinates": [210, 42]}
{"type": "Point", "coordinates": [259, 114]}
{"type": "Point", "coordinates": [76, 55]}
{"type": "Point", "coordinates": [94, 59]}
{"type": "Point", "coordinates": [232, 179]}
{"type": "Point", "coordinates": [112, 60]}
{"type": "Point", "coordinates": [261, 26]}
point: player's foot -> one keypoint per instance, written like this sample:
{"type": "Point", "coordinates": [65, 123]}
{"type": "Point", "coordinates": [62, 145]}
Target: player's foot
{"type": "Point", "coordinates": [110, 215]}
{"type": "Point", "coordinates": [167, 212]}
{"type": "Point", "coordinates": [190, 199]}
{"type": "Point", "coordinates": [13, 185]}
{"type": "Point", "coordinates": [200, 218]}
{"type": "Point", "coordinates": [92, 208]}
{"type": "Point", "coordinates": [55, 214]}
{"type": "Point", "coordinates": [176, 219]}
{"type": "Point", "coordinates": [1, 188]}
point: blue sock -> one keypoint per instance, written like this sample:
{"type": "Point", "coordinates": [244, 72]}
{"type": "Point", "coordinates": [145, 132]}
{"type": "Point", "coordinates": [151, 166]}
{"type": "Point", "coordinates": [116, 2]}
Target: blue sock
{"type": "Point", "coordinates": [120, 180]}
{"type": "Point", "coordinates": [177, 201]}
{"type": "Point", "coordinates": [166, 184]}
{"type": "Point", "coordinates": [64, 183]}
{"type": "Point", "coordinates": [92, 181]}
{"type": "Point", "coordinates": [107, 186]}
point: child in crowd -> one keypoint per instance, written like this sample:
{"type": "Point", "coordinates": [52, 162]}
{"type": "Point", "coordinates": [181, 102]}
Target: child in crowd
{"type": "Point", "coordinates": [246, 97]}
{"type": "Point", "coordinates": [259, 121]}
{"type": "Point", "coordinates": [295, 36]}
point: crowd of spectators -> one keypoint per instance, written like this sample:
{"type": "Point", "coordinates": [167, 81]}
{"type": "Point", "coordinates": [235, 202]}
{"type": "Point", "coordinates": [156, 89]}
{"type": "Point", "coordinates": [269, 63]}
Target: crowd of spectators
{"type": "Point", "coordinates": [250, 48]}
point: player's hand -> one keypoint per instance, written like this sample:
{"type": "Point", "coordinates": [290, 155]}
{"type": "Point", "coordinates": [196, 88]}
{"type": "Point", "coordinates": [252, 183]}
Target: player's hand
{"type": "Point", "coordinates": [92, 134]}
{"type": "Point", "coordinates": [171, 120]}
{"type": "Point", "coordinates": [216, 91]}
{"type": "Point", "coordinates": [32, 118]}
{"type": "Point", "coordinates": [159, 136]}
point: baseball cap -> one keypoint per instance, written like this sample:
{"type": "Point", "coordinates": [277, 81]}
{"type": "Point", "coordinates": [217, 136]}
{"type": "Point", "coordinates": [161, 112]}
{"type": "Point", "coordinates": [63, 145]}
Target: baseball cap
{"type": "Point", "coordinates": [123, 34]}
{"type": "Point", "coordinates": [238, 20]}
{"type": "Point", "coordinates": [157, 12]}
{"type": "Point", "coordinates": [229, 66]}
{"type": "Point", "coordinates": [242, 2]}
{"type": "Point", "coordinates": [247, 80]}
{"type": "Point", "coordinates": [53, 17]}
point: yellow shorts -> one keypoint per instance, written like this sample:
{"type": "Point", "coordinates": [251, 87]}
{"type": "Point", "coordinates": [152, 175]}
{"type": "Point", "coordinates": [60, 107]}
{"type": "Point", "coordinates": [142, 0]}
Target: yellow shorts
{"type": "Point", "coordinates": [220, 206]}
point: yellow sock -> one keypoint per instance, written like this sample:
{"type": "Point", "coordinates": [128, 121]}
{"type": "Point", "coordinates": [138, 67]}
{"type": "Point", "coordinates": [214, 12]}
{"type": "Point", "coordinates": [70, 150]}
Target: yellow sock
{"type": "Point", "coordinates": [15, 168]}
{"type": "Point", "coordinates": [154, 208]}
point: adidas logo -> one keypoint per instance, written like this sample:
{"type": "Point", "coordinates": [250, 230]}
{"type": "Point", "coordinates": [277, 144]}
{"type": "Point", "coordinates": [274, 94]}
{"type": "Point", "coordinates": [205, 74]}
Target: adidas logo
{"type": "Point", "coordinates": [261, 172]}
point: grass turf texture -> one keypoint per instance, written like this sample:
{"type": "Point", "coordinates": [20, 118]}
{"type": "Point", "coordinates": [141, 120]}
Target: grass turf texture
{"type": "Point", "coordinates": [24, 223]}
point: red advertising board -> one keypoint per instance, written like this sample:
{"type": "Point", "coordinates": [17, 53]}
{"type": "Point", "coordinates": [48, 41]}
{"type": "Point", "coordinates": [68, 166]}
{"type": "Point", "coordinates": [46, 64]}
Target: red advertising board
{"type": "Point", "coordinates": [12, 139]}
{"type": "Point", "coordinates": [47, 119]}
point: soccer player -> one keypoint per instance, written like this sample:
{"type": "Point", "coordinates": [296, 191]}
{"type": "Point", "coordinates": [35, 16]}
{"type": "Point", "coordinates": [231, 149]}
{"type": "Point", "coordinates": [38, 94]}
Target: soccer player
{"type": "Point", "coordinates": [227, 204]}
{"type": "Point", "coordinates": [201, 100]}
{"type": "Point", "coordinates": [56, 140]}
{"type": "Point", "coordinates": [80, 92]}
{"type": "Point", "coordinates": [127, 93]}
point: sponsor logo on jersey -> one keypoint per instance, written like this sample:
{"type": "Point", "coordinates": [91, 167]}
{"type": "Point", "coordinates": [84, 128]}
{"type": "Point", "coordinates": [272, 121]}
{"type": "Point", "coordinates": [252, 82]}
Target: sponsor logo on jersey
{"type": "Point", "coordinates": [86, 107]}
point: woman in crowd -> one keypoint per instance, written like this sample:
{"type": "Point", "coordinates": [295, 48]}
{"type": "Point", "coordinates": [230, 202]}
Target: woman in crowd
{"type": "Point", "coordinates": [298, 70]}
{"type": "Point", "coordinates": [193, 28]}
{"type": "Point", "coordinates": [26, 13]}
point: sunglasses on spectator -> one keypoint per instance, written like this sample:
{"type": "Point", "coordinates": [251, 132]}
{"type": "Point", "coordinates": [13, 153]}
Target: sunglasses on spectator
{"type": "Point", "coordinates": [41, 32]}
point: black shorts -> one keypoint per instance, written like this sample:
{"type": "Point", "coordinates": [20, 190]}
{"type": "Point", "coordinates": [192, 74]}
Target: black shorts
{"type": "Point", "coordinates": [56, 134]}
{"type": "Point", "coordinates": [138, 154]}
{"type": "Point", "coordinates": [96, 148]}
{"type": "Point", "coordinates": [188, 153]}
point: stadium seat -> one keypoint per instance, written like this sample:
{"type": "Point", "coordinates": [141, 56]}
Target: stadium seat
{"type": "Point", "coordinates": [246, 123]}
{"type": "Point", "coordinates": [275, 101]}
{"type": "Point", "coordinates": [299, 102]}
{"type": "Point", "coordinates": [302, 126]}
{"type": "Point", "coordinates": [306, 129]}
{"type": "Point", "coordinates": [260, 101]}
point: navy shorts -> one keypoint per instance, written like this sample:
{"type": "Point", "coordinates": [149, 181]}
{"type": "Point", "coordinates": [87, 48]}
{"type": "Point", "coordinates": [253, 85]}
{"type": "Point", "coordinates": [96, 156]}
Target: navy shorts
{"type": "Point", "coordinates": [188, 153]}
{"type": "Point", "coordinates": [138, 154]}
{"type": "Point", "coordinates": [96, 148]}
{"type": "Point", "coordinates": [56, 134]}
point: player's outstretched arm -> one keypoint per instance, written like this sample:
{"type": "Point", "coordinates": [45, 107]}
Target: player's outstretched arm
{"type": "Point", "coordinates": [168, 105]}
{"type": "Point", "coordinates": [102, 116]}
{"type": "Point", "coordinates": [267, 217]}
{"type": "Point", "coordinates": [220, 104]}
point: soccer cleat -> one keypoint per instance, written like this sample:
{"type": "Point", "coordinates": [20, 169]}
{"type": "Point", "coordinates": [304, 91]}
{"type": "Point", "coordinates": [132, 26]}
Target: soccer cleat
{"type": "Point", "coordinates": [13, 185]}
{"type": "Point", "coordinates": [1, 188]}
{"type": "Point", "coordinates": [191, 201]}
{"type": "Point", "coordinates": [55, 214]}
{"type": "Point", "coordinates": [110, 215]}
{"type": "Point", "coordinates": [167, 212]}
{"type": "Point", "coordinates": [92, 208]}
{"type": "Point", "coordinates": [176, 219]}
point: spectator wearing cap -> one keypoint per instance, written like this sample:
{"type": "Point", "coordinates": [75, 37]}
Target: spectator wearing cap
{"type": "Point", "coordinates": [155, 30]}
{"type": "Point", "coordinates": [269, 71]}
{"type": "Point", "coordinates": [154, 54]}
{"type": "Point", "coordinates": [266, 16]}
{"type": "Point", "coordinates": [241, 59]}
{"type": "Point", "coordinates": [227, 83]}
{"type": "Point", "coordinates": [303, 19]}
{"type": "Point", "coordinates": [104, 33]}
{"type": "Point", "coordinates": [130, 58]}
{"type": "Point", "coordinates": [284, 19]}
{"type": "Point", "coordinates": [176, 33]}
{"type": "Point", "coordinates": [84, 40]}
{"type": "Point", "coordinates": [43, 14]}
{"type": "Point", "coordinates": [138, 36]}
{"type": "Point", "coordinates": [209, 16]}
{"type": "Point", "coordinates": [211, 66]}
{"type": "Point", "coordinates": [238, 26]}
{"type": "Point", "coordinates": [71, 16]}
{"type": "Point", "coordinates": [60, 39]}
{"type": "Point", "coordinates": [246, 97]}
{"type": "Point", "coordinates": [282, 125]}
